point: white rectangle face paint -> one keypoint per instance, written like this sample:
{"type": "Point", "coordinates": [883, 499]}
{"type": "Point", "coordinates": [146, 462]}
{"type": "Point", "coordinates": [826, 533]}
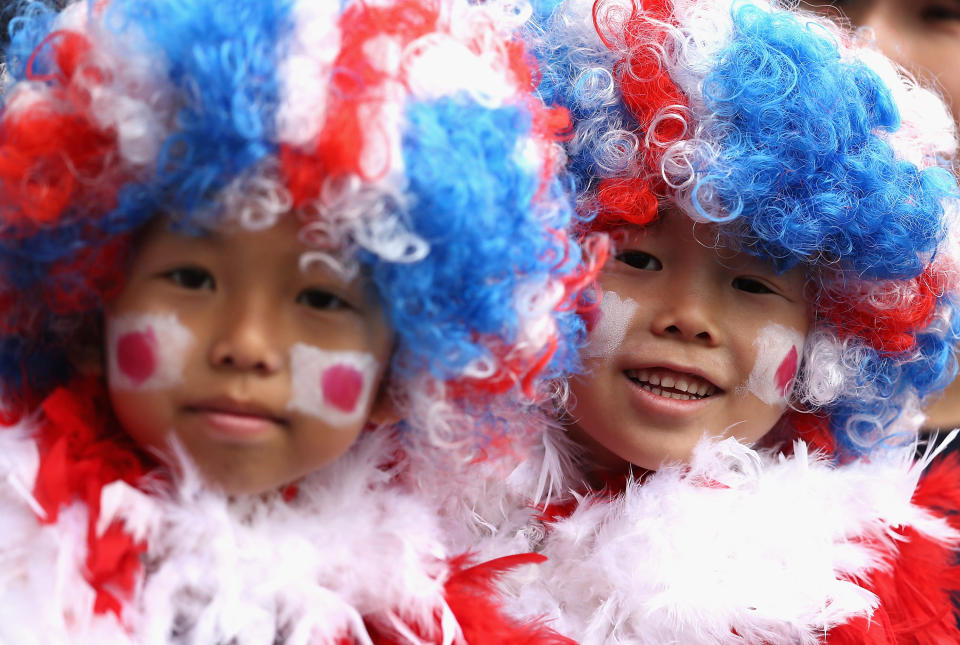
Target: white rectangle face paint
{"type": "Point", "coordinates": [615, 318]}
{"type": "Point", "coordinates": [332, 386]}
{"type": "Point", "coordinates": [778, 358]}
{"type": "Point", "coordinates": [146, 351]}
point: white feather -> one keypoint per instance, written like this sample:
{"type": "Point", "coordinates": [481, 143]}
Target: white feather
{"type": "Point", "coordinates": [354, 545]}
{"type": "Point", "coordinates": [43, 598]}
{"type": "Point", "coordinates": [741, 547]}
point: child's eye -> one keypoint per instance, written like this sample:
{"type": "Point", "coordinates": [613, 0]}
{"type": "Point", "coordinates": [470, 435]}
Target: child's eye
{"type": "Point", "coordinates": [320, 299]}
{"type": "Point", "coordinates": [191, 278]}
{"type": "Point", "coordinates": [751, 286]}
{"type": "Point", "coordinates": [640, 260]}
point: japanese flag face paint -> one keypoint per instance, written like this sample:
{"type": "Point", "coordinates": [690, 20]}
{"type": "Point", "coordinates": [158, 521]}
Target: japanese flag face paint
{"type": "Point", "coordinates": [146, 351]}
{"type": "Point", "coordinates": [611, 329]}
{"type": "Point", "coordinates": [778, 359]}
{"type": "Point", "coordinates": [334, 386]}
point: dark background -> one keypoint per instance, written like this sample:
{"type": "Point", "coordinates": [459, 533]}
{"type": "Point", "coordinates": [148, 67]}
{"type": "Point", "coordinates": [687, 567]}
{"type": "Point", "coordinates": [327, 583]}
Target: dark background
{"type": "Point", "coordinates": [6, 9]}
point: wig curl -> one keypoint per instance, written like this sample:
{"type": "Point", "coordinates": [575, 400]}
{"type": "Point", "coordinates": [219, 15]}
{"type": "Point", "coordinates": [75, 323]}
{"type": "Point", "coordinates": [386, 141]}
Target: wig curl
{"type": "Point", "coordinates": [405, 136]}
{"type": "Point", "coordinates": [808, 148]}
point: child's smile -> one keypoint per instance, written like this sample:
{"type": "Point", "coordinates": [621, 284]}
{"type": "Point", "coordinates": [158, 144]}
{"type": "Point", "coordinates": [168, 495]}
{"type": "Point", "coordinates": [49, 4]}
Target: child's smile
{"type": "Point", "coordinates": [693, 340]}
{"type": "Point", "coordinates": [679, 384]}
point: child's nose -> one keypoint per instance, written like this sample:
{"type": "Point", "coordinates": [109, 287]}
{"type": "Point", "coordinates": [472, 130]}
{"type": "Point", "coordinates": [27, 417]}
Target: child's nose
{"type": "Point", "coordinates": [245, 340]}
{"type": "Point", "coordinates": [689, 317]}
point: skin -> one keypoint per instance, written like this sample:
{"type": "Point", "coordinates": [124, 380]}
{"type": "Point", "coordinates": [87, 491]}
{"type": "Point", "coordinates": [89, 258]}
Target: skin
{"type": "Point", "coordinates": [246, 301]}
{"type": "Point", "coordinates": [924, 37]}
{"type": "Point", "coordinates": [701, 311]}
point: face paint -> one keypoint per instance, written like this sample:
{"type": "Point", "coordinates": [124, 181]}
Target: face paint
{"type": "Point", "coordinates": [341, 386]}
{"type": "Point", "coordinates": [785, 374]}
{"type": "Point", "coordinates": [778, 355]}
{"type": "Point", "coordinates": [146, 351]}
{"type": "Point", "coordinates": [136, 355]}
{"type": "Point", "coordinates": [332, 386]}
{"type": "Point", "coordinates": [615, 317]}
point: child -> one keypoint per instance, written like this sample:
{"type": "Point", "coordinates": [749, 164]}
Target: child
{"type": "Point", "coordinates": [779, 299]}
{"type": "Point", "coordinates": [232, 234]}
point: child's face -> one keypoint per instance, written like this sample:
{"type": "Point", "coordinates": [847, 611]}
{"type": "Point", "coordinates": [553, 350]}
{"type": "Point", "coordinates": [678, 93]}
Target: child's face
{"type": "Point", "coordinates": [263, 370]}
{"type": "Point", "coordinates": [922, 35]}
{"type": "Point", "coordinates": [692, 340]}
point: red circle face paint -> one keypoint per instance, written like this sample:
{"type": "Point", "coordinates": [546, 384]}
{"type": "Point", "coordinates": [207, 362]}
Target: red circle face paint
{"type": "Point", "coordinates": [334, 386]}
{"type": "Point", "coordinates": [777, 360]}
{"type": "Point", "coordinates": [786, 372]}
{"type": "Point", "coordinates": [341, 386]}
{"type": "Point", "coordinates": [146, 351]}
{"type": "Point", "coordinates": [136, 355]}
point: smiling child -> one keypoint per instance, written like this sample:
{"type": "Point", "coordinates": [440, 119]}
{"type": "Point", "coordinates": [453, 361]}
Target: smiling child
{"type": "Point", "coordinates": [779, 300]}
{"type": "Point", "coordinates": [232, 235]}
{"type": "Point", "coordinates": [707, 338]}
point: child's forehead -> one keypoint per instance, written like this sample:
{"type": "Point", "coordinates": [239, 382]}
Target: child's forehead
{"type": "Point", "coordinates": [283, 241]}
{"type": "Point", "coordinates": [673, 229]}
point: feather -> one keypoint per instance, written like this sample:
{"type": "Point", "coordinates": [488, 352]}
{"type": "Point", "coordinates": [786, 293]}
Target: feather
{"type": "Point", "coordinates": [746, 546]}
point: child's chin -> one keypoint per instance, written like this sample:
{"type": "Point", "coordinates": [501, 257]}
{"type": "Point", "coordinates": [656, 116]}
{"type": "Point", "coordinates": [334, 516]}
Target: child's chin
{"type": "Point", "coordinates": [248, 479]}
{"type": "Point", "coordinates": [658, 451]}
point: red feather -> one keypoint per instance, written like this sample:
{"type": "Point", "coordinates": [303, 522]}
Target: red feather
{"type": "Point", "coordinates": [471, 593]}
{"type": "Point", "coordinates": [82, 450]}
{"type": "Point", "coordinates": [917, 594]}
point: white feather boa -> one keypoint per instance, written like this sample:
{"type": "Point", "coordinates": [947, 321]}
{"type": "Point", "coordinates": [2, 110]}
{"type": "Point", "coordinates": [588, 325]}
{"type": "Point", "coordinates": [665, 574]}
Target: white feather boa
{"type": "Point", "coordinates": [352, 545]}
{"type": "Point", "coordinates": [741, 547]}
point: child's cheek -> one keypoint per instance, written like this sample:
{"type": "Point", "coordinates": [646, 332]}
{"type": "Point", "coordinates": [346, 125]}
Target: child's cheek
{"type": "Point", "coordinates": [332, 386]}
{"type": "Point", "coordinates": [611, 329]}
{"type": "Point", "coordinates": [146, 351]}
{"type": "Point", "coordinates": [776, 364]}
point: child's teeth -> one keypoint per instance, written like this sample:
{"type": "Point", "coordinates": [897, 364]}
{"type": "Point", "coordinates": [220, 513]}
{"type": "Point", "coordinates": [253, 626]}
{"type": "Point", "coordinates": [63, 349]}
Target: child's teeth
{"type": "Point", "coordinates": [685, 390]}
{"type": "Point", "coordinates": [667, 395]}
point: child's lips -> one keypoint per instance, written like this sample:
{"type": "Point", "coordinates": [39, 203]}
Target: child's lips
{"type": "Point", "coordinates": [232, 420]}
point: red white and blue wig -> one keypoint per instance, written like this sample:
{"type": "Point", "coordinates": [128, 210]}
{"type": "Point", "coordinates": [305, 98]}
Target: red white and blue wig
{"type": "Point", "coordinates": [404, 134]}
{"type": "Point", "coordinates": [810, 148]}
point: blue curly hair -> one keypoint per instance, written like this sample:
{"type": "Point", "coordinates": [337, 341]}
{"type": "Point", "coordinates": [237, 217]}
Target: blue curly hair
{"type": "Point", "coordinates": [441, 188]}
{"type": "Point", "coordinates": [806, 147]}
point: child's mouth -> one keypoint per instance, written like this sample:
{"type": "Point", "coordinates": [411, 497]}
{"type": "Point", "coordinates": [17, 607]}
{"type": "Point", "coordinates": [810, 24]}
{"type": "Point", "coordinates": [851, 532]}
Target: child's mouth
{"type": "Point", "coordinates": [672, 385]}
{"type": "Point", "coordinates": [235, 420]}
